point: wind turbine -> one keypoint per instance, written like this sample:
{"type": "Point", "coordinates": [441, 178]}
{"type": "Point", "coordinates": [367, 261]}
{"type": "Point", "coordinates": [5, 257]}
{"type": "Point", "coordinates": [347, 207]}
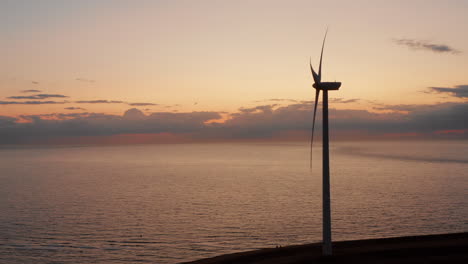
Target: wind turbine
{"type": "Point", "coordinates": [326, 208]}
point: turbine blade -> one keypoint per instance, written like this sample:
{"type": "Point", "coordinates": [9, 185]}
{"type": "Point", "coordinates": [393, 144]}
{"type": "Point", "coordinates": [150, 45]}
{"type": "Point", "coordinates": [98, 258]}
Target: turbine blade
{"type": "Point", "coordinates": [314, 74]}
{"type": "Point", "coordinates": [321, 55]}
{"type": "Point", "coordinates": [317, 92]}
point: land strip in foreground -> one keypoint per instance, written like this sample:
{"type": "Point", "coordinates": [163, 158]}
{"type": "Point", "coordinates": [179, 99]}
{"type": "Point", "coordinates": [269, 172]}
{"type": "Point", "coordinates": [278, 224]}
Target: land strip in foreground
{"type": "Point", "coordinates": [445, 248]}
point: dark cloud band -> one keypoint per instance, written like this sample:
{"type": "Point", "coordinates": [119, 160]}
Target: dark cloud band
{"type": "Point", "coordinates": [31, 102]}
{"type": "Point", "coordinates": [38, 96]}
{"type": "Point", "coordinates": [74, 108]}
{"type": "Point", "coordinates": [260, 122]}
{"type": "Point", "coordinates": [31, 91]}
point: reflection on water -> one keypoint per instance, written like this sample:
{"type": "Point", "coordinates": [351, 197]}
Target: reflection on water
{"type": "Point", "coordinates": [172, 203]}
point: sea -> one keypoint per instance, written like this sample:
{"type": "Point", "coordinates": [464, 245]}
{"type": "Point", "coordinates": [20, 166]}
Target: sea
{"type": "Point", "coordinates": [171, 203]}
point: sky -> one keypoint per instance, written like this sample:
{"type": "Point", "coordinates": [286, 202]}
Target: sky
{"type": "Point", "coordinates": [112, 71]}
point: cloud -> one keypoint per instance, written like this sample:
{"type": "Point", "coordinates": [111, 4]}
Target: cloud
{"type": "Point", "coordinates": [460, 91]}
{"type": "Point", "coordinates": [38, 96]}
{"type": "Point", "coordinates": [423, 45]}
{"type": "Point", "coordinates": [134, 114]}
{"type": "Point", "coordinates": [141, 104]}
{"type": "Point", "coordinates": [263, 122]}
{"type": "Point", "coordinates": [45, 96]}
{"type": "Point", "coordinates": [74, 108]}
{"type": "Point", "coordinates": [343, 101]}
{"type": "Point", "coordinates": [31, 91]}
{"type": "Point", "coordinates": [171, 106]}
{"type": "Point", "coordinates": [85, 80]}
{"type": "Point", "coordinates": [100, 102]}
{"type": "Point", "coordinates": [402, 107]}
{"type": "Point", "coordinates": [55, 116]}
{"type": "Point", "coordinates": [31, 102]}
{"type": "Point", "coordinates": [261, 108]}
{"type": "Point", "coordinates": [424, 120]}
{"type": "Point", "coordinates": [24, 97]}
{"type": "Point", "coordinates": [34, 82]}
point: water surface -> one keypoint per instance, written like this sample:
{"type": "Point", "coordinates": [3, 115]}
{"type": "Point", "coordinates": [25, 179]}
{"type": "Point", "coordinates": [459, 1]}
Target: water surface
{"type": "Point", "coordinates": [173, 203]}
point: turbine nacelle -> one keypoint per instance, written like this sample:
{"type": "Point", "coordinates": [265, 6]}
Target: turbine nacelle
{"type": "Point", "coordinates": [329, 86]}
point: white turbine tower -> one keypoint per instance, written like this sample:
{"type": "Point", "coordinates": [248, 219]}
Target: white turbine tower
{"type": "Point", "coordinates": [326, 208]}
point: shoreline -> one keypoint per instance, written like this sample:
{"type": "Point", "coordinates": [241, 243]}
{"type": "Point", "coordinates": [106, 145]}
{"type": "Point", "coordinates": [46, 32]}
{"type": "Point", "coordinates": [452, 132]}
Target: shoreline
{"type": "Point", "coordinates": [443, 248]}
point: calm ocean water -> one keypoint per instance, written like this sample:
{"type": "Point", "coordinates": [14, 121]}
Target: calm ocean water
{"type": "Point", "coordinates": [173, 203]}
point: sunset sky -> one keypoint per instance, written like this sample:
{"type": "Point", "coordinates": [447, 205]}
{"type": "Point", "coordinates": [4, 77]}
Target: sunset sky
{"type": "Point", "coordinates": [229, 70]}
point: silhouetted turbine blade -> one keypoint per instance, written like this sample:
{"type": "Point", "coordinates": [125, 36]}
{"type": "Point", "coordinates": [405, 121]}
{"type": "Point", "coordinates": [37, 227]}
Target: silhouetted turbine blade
{"type": "Point", "coordinates": [317, 92]}
{"type": "Point", "coordinates": [314, 74]}
{"type": "Point", "coordinates": [321, 55]}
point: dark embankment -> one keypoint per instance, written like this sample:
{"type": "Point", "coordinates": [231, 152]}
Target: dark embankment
{"type": "Point", "coordinates": [447, 248]}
